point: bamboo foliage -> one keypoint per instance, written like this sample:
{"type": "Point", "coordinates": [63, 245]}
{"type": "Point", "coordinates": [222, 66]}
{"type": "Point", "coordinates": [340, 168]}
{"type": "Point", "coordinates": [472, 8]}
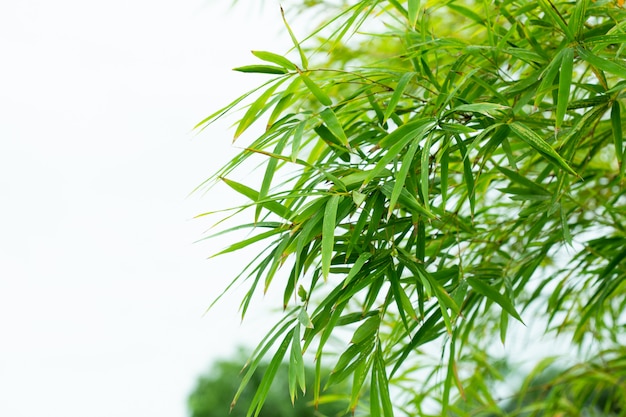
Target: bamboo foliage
{"type": "Point", "coordinates": [434, 171]}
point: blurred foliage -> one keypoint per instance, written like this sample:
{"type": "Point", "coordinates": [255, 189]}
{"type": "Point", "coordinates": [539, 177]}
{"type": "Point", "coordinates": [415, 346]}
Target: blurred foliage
{"type": "Point", "coordinates": [432, 174]}
{"type": "Point", "coordinates": [215, 389]}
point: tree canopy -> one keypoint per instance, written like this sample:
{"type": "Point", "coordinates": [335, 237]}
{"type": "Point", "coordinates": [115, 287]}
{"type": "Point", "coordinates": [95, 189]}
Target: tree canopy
{"type": "Point", "coordinates": [432, 175]}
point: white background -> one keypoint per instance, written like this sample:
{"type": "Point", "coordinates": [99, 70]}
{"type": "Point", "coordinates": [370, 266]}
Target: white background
{"type": "Point", "coordinates": [102, 288]}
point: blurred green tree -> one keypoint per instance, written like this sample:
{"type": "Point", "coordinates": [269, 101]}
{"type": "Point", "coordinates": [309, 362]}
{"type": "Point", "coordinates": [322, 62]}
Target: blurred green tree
{"type": "Point", "coordinates": [215, 389]}
{"type": "Point", "coordinates": [435, 173]}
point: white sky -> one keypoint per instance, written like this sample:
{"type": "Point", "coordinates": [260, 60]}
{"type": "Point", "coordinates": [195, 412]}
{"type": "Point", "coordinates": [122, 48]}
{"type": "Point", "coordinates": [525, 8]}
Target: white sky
{"type": "Point", "coordinates": [102, 290]}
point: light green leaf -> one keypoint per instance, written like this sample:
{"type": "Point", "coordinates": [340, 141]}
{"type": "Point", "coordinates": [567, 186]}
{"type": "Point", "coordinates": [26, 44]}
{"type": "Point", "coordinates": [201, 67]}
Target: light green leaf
{"type": "Point", "coordinates": [367, 330]}
{"type": "Point", "coordinates": [398, 92]}
{"type": "Point", "coordinates": [603, 64]}
{"type": "Point", "coordinates": [275, 59]}
{"type": "Point", "coordinates": [493, 295]}
{"type": "Point", "coordinates": [305, 63]}
{"type": "Point", "coordinates": [400, 177]}
{"type": "Point", "coordinates": [333, 124]}
{"type": "Point", "coordinates": [565, 83]}
{"type": "Point", "coordinates": [316, 91]}
{"type": "Point", "coordinates": [261, 69]}
{"type": "Point", "coordinates": [488, 109]}
{"type": "Point", "coordinates": [540, 145]}
{"type": "Point", "coordinates": [328, 233]}
{"type": "Point", "coordinates": [618, 135]}
{"type": "Point", "coordinates": [414, 6]}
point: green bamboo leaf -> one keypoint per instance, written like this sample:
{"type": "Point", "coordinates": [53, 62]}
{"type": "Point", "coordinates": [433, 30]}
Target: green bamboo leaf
{"type": "Point", "coordinates": [269, 174]}
{"type": "Point", "coordinates": [354, 356]}
{"type": "Point", "coordinates": [540, 145]}
{"type": "Point", "coordinates": [488, 109]}
{"type": "Point", "coordinates": [333, 124]}
{"type": "Point", "coordinates": [398, 139]}
{"type": "Point", "coordinates": [303, 316]}
{"type": "Point", "coordinates": [328, 233]}
{"type": "Point", "coordinates": [523, 181]}
{"type": "Point", "coordinates": [356, 268]}
{"type": "Point", "coordinates": [407, 200]}
{"type": "Point", "coordinates": [425, 172]}
{"type": "Point", "coordinates": [367, 330]}
{"type": "Point", "coordinates": [596, 41]}
{"type": "Point", "coordinates": [468, 175]}
{"type": "Point", "coordinates": [618, 135]}
{"type": "Point", "coordinates": [360, 374]}
{"type": "Point", "coordinates": [316, 91]}
{"type": "Point", "coordinates": [271, 205]}
{"type": "Point", "coordinates": [578, 18]}
{"type": "Point", "coordinates": [612, 67]}
{"type": "Point", "coordinates": [565, 83]}
{"type": "Point", "coordinates": [493, 295]}
{"type": "Point", "coordinates": [444, 164]}
{"type": "Point", "coordinates": [374, 395]}
{"type": "Point", "coordinates": [414, 6]}
{"type": "Point", "coordinates": [247, 242]}
{"type": "Point", "coordinates": [261, 69]}
{"type": "Point", "coordinates": [264, 387]}
{"type": "Point", "coordinates": [404, 81]}
{"type": "Point", "coordinates": [383, 383]}
{"type": "Point", "coordinates": [556, 17]}
{"type": "Point", "coordinates": [305, 63]}
{"type": "Point", "coordinates": [467, 12]}
{"type": "Point", "coordinates": [256, 109]}
{"type": "Point", "coordinates": [275, 59]}
{"type": "Point", "coordinates": [400, 177]}
{"type": "Point", "coordinates": [547, 77]}
{"type": "Point", "coordinates": [296, 366]}
{"type": "Point", "coordinates": [259, 353]}
{"type": "Point", "coordinates": [504, 325]}
{"type": "Point", "coordinates": [297, 140]}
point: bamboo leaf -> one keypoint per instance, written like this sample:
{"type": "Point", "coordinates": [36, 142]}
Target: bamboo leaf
{"type": "Point", "coordinates": [257, 108]}
{"type": "Point", "coordinates": [367, 330]}
{"type": "Point", "coordinates": [317, 92]}
{"type": "Point", "coordinates": [328, 233]}
{"type": "Point", "coordinates": [540, 145]}
{"type": "Point", "coordinates": [565, 83]}
{"type": "Point", "coordinates": [261, 69]}
{"type": "Point", "coordinates": [493, 295]}
{"type": "Point", "coordinates": [618, 135]}
{"type": "Point", "coordinates": [414, 6]}
{"type": "Point", "coordinates": [333, 124]}
{"type": "Point", "coordinates": [603, 64]}
{"type": "Point", "coordinates": [271, 205]}
{"type": "Point", "coordinates": [548, 75]}
{"type": "Point", "coordinates": [556, 17]}
{"type": "Point", "coordinates": [578, 17]}
{"type": "Point", "coordinates": [268, 377]}
{"type": "Point", "coordinates": [305, 63]}
{"type": "Point", "coordinates": [404, 81]}
{"type": "Point", "coordinates": [275, 59]}
{"type": "Point", "coordinates": [400, 177]}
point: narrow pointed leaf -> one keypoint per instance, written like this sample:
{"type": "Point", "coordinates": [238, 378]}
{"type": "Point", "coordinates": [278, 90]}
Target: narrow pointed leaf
{"type": "Point", "coordinates": [333, 124]}
{"type": "Point", "coordinates": [414, 6]}
{"type": "Point", "coordinates": [565, 83]}
{"type": "Point", "coordinates": [603, 64]}
{"type": "Point", "coordinates": [261, 69]}
{"type": "Point", "coordinates": [316, 91]}
{"type": "Point", "coordinates": [398, 92]}
{"type": "Point", "coordinates": [328, 233]}
{"type": "Point", "coordinates": [540, 145]}
{"type": "Point", "coordinates": [493, 295]}
{"type": "Point", "coordinates": [275, 59]}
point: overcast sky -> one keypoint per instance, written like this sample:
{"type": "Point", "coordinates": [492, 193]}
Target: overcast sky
{"type": "Point", "coordinates": [102, 290]}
